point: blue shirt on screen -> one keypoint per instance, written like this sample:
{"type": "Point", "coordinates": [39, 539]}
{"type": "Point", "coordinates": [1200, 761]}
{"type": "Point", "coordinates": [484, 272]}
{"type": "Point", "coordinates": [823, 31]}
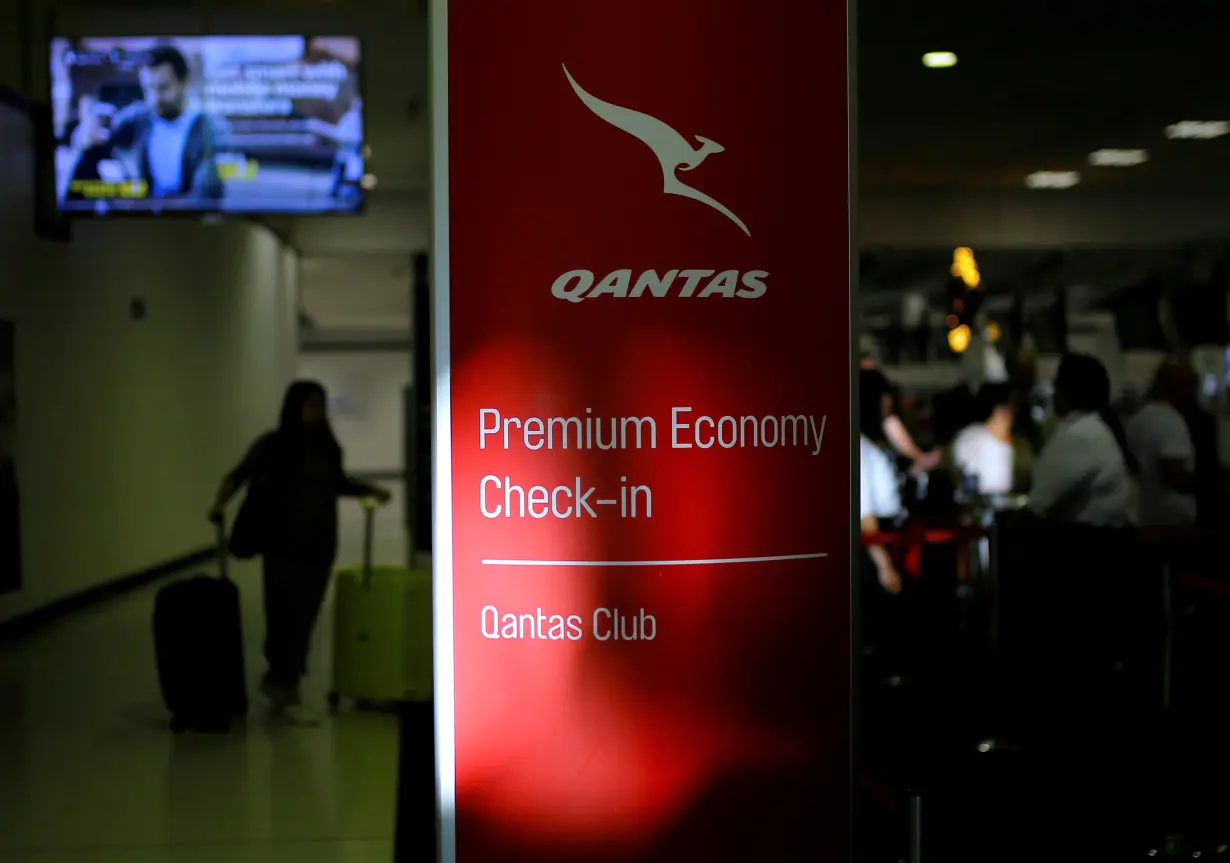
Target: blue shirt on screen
{"type": "Point", "coordinates": [166, 153]}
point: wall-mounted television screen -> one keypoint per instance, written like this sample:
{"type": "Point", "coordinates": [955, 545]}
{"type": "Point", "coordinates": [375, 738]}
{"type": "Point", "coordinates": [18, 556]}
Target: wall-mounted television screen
{"type": "Point", "coordinates": [208, 124]}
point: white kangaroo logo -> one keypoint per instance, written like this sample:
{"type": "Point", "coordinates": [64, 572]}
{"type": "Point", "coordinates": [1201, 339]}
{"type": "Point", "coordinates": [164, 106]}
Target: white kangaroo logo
{"type": "Point", "coordinates": [674, 152]}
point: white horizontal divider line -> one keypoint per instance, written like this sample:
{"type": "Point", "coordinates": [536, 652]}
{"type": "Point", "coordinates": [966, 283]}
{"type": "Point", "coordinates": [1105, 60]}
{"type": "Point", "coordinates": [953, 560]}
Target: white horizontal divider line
{"type": "Point", "coordinates": [698, 562]}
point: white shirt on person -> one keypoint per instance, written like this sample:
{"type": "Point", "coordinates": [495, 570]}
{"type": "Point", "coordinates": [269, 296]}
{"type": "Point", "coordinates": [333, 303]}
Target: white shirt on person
{"type": "Point", "coordinates": [879, 493]}
{"type": "Point", "coordinates": [165, 150]}
{"type": "Point", "coordinates": [1156, 434]}
{"type": "Point", "coordinates": [1081, 476]}
{"type": "Point", "coordinates": [978, 453]}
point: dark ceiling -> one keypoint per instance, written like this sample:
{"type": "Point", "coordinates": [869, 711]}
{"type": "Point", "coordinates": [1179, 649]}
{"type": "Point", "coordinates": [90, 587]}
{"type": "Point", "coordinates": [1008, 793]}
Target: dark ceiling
{"type": "Point", "coordinates": [886, 275]}
{"type": "Point", "coordinates": [1038, 86]}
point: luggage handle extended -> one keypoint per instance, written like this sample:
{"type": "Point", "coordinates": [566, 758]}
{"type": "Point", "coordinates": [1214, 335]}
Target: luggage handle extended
{"type": "Point", "coordinates": [369, 517]}
{"type": "Point", "coordinates": [222, 547]}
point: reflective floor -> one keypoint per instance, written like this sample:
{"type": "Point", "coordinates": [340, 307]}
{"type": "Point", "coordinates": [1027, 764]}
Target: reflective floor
{"type": "Point", "coordinates": [89, 772]}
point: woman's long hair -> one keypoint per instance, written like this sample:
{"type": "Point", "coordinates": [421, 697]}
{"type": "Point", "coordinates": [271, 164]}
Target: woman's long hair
{"type": "Point", "coordinates": [1085, 386]}
{"type": "Point", "coordinates": [291, 425]}
{"type": "Point", "coordinates": [872, 387]}
{"type": "Point", "coordinates": [991, 397]}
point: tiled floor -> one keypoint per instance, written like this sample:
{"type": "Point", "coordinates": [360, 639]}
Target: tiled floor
{"type": "Point", "coordinates": [89, 772]}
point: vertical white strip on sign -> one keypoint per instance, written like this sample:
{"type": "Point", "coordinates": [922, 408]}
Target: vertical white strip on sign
{"type": "Point", "coordinates": [442, 441]}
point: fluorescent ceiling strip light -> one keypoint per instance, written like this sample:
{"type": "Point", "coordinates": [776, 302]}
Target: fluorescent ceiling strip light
{"type": "Point", "coordinates": [939, 59]}
{"type": "Point", "coordinates": [1118, 158]}
{"type": "Point", "coordinates": [1052, 179]}
{"type": "Point", "coordinates": [1198, 130]}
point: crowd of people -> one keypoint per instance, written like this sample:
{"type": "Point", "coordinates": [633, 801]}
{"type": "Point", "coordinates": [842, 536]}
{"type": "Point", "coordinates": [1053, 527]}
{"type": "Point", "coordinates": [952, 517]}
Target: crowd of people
{"type": "Point", "coordinates": [994, 518]}
{"type": "Point", "coordinates": [1085, 465]}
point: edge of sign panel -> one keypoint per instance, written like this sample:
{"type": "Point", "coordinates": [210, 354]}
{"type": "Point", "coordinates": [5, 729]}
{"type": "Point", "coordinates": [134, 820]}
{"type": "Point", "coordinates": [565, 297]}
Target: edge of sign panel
{"type": "Point", "coordinates": [441, 443]}
{"type": "Point", "coordinates": [855, 363]}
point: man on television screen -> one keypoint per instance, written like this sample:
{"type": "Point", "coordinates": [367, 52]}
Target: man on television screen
{"type": "Point", "coordinates": [171, 144]}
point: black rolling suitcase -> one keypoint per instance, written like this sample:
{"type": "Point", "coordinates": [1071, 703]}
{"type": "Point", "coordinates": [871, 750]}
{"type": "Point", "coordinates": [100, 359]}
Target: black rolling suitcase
{"type": "Point", "coordinates": [198, 641]}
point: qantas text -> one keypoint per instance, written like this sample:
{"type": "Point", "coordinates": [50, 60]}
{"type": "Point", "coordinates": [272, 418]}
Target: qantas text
{"type": "Point", "coordinates": [577, 285]}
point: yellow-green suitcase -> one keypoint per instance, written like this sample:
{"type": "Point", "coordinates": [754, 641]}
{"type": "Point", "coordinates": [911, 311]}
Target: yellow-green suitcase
{"type": "Point", "coordinates": [382, 634]}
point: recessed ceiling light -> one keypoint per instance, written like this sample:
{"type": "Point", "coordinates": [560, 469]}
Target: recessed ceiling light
{"type": "Point", "coordinates": [1118, 158]}
{"type": "Point", "coordinates": [1052, 179]}
{"type": "Point", "coordinates": [959, 338]}
{"type": "Point", "coordinates": [1198, 130]}
{"type": "Point", "coordinates": [939, 59]}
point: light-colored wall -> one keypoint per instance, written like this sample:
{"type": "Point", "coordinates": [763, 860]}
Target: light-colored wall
{"type": "Point", "coordinates": [393, 223]}
{"type": "Point", "coordinates": [124, 427]}
{"type": "Point", "coordinates": [357, 292]}
{"type": "Point", "coordinates": [288, 321]}
{"type": "Point", "coordinates": [366, 390]}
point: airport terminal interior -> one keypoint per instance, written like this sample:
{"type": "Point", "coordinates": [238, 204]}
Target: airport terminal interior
{"type": "Point", "coordinates": [1042, 357]}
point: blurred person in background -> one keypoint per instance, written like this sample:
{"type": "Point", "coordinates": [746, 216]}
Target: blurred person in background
{"type": "Point", "coordinates": [347, 135]}
{"type": "Point", "coordinates": [955, 409]}
{"type": "Point", "coordinates": [1211, 498]}
{"type": "Point", "coordinates": [983, 451]}
{"type": "Point", "coordinates": [348, 165]}
{"type": "Point", "coordinates": [1026, 430]}
{"type": "Point", "coordinates": [903, 443]}
{"type": "Point", "coordinates": [879, 487]}
{"type": "Point", "coordinates": [302, 464]}
{"type": "Point", "coordinates": [895, 430]}
{"type": "Point", "coordinates": [1083, 473]}
{"type": "Point", "coordinates": [1161, 442]}
{"type": "Point", "coordinates": [173, 143]}
{"type": "Point", "coordinates": [898, 436]}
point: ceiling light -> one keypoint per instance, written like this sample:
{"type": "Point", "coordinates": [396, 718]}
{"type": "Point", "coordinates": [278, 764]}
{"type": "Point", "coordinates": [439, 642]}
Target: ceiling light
{"type": "Point", "coordinates": [368, 182]}
{"type": "Point", "coordinates": [1118, 158]}
{"type": "Point", "coordinates": [1198, 130]}
{"type": "Point", "coordinates": [1052, 179]}
{"type": "Point", "coordinates": [959, 338]}
{"type": "Point", "coordinates": [965, 267]}
{"type": "Point", "coordinates": [939, 59]}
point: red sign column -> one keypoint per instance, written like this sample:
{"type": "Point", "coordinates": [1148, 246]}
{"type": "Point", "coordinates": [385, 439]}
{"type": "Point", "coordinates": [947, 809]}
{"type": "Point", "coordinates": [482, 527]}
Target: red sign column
{"type": "Point", "coordinates": [643, 463]}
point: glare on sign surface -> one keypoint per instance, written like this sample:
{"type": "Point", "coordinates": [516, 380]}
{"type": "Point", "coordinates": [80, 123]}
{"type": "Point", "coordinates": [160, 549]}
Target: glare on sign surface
{"type": "Point", "coordinates": [1198, 130]}
{"type": "Point", "coordinates": [1118, 158]}
{"type": "Point", "coordinates": [959, 338]}
{"type": "Point", "coordinates": [939, 59]}
{"type": "Point", "coordinates": [1052, 179]}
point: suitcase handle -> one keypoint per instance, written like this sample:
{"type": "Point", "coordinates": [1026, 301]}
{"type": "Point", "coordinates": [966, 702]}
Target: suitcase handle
{"type": "Point", "coordinates": [369, 517]}
{"type": "Point", "coordinates": [224, 553]}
